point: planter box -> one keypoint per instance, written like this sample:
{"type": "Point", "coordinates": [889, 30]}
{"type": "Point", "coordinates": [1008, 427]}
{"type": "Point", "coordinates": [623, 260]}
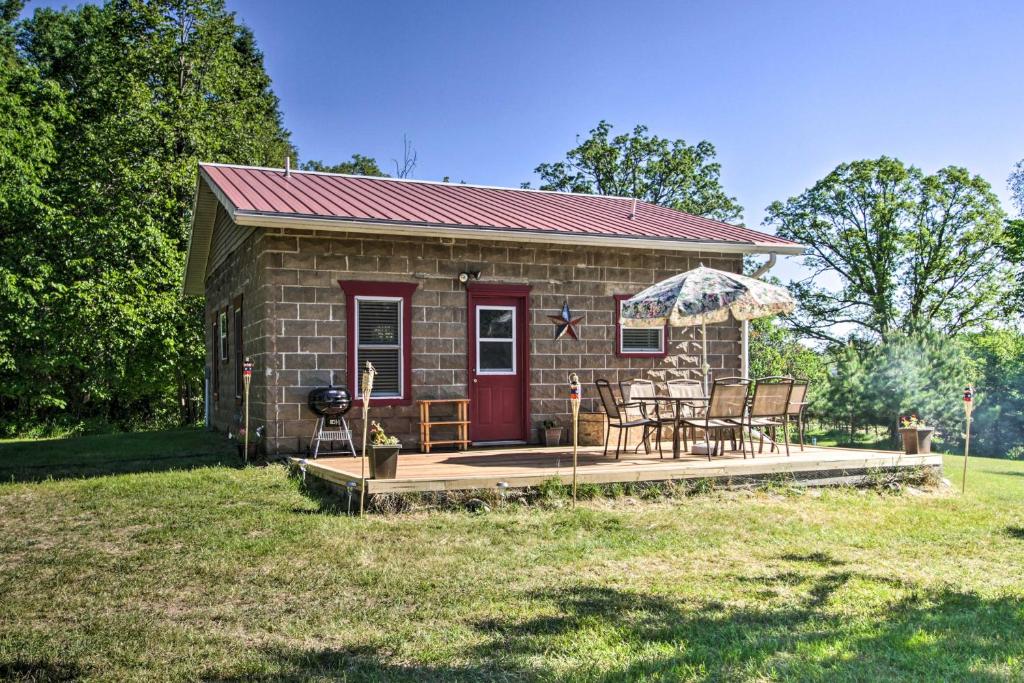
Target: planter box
{"type": "Point", "coordinates": [592, 427]}
{"type": "Point", "coordinates": [917, 441]}
{"type": "Point", "coordinates": [552, 436]}
{"type": "Point", "coordinates": [384, 461]}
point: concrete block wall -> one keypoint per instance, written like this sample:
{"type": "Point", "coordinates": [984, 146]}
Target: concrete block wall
{"type": "Point", "coordinates": [296, 331]}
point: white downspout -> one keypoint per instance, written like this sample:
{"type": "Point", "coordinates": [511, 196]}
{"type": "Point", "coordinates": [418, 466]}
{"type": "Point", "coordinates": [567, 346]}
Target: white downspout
{"type": "Point", "coordinates": [745, 337]}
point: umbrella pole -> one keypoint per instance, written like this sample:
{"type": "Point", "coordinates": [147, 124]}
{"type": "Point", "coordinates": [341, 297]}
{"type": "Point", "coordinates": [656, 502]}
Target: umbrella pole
{"type": "Point", "coordinates": [704, 354]}
{"type": "Point", "coordinates": [745, 360]}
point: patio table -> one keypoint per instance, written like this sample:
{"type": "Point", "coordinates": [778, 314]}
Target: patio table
{"type": "Point", "coordinates": [677, 403]}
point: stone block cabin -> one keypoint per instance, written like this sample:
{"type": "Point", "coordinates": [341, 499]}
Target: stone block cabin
{"type": "Point", "coordinates": [446, 288]}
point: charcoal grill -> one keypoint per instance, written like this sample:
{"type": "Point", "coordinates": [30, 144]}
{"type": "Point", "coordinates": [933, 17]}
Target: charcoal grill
{"type": "Point", "coordinates": [330, 404]}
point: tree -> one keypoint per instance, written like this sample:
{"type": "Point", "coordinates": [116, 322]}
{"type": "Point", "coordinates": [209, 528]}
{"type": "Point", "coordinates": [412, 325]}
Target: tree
{"type": "Point", "coordinates": [1016, 185]}
{"type": "Point", "coordinates": [876, 383]}
{"type": "Point", "coordinates": [776, 351]}
{"type": "Point", "coordinates": [150, 88]}
{"type": "Point", "coordinates": [911, 251]}
{"type": "Point", "coordinates": [998, 428]}
{"type": "Point", "coordinates": [1014, 250]}
{"type": "Point", "coordinates": [656, 170]}
{"type": "Point", "coordinates": [357, 165]}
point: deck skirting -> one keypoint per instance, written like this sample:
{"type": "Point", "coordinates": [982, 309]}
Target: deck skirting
{"type": "Point", "coordinates": [531, 466]}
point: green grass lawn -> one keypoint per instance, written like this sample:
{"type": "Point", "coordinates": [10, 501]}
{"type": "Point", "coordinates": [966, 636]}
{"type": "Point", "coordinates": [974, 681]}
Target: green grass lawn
{"type": "Point", "coordinates": [197, 570]}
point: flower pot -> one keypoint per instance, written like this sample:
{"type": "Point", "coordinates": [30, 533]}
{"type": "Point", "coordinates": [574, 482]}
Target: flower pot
{"type": "Point", "coordinates": [384, 460]}
{"type": "Point", "coordinates": [917, 440]}
{"type": "Point", "coordinates": [552, 436]}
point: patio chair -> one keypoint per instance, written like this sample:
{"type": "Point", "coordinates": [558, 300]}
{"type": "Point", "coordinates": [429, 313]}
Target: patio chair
{"type": "Point", "coordinates": [725, 412]}
{"type": "Point", "coordinates": [687, 388]}
{"type": "Point", "coordinates": [769, 410]}
{"type": "Point", "coordinates": [798, 406]}
{"type": "Point", "coordinates": [618, 418]}
{"type": "Point", "coordinates": [658, 412]}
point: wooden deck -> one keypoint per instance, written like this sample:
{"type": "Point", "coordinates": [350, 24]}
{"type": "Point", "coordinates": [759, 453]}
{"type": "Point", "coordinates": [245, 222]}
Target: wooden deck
{"type": "Point", "coordinates": [532, 465]}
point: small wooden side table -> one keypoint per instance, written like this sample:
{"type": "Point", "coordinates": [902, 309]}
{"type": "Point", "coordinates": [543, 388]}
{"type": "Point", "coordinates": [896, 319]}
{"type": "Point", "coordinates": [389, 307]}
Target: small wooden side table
{"type": "Point", "coordinates": [460, 422]}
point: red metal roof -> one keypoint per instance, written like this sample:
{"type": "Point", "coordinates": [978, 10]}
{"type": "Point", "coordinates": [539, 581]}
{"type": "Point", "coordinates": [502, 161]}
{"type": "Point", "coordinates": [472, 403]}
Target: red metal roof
{"type": "Point", "coordinates": [262, 191]}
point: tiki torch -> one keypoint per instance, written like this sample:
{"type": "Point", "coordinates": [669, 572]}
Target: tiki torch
{"type": "Point", "coordinates": [368, 375]}
{"type": "Point", "coordinates": [247, 380]}
{"type": "Point", "coordinates": [574, 402]}
{"type": "Point", "coordinates": [968, 407]}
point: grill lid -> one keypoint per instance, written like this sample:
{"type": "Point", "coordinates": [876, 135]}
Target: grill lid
{"type": "Point", "coordinates": [330, 400]}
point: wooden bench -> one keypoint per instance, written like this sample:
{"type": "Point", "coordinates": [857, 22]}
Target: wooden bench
{"type": "Point", "coordinates": [460, 421]}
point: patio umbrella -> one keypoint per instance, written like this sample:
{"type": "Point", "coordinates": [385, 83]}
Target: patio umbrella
{"type": "Point", "coordinates": [701, 296]}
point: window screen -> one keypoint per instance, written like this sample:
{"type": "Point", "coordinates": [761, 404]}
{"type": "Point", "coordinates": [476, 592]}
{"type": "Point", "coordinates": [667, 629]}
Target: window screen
{"type": "Point", "coordinates": [641, 339]}
{"type": "Point", "coordinates": [379, 340]}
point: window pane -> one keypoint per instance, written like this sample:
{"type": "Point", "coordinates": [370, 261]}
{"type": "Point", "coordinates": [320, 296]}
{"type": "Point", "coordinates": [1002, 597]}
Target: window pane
{"type": "Point", "coordinates": [496, 356]}
{"type": "Point", "coordinates": [495, 324]}
{"type": "Point", "coordinates": [387, 363]}
{"type": "Point", "coordinates": [641, 339]}
{"type": "Point", "coordinates": [378, 321]}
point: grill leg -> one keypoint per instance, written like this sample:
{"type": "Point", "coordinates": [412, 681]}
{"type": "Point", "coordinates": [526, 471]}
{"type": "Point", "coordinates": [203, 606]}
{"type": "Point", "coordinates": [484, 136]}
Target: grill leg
{"type": "Point", "coordinates": [316, 436]}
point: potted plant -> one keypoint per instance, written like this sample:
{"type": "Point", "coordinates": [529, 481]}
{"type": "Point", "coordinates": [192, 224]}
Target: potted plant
{"type": "Point", "coordinates": [917, 436]}
{"type": "Point", "coordinates": [384, 450]}
{"type": "Point", "coordinates": [552, 433]}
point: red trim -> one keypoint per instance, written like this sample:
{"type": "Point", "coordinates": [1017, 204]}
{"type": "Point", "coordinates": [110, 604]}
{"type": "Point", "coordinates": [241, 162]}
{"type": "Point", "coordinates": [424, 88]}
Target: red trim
{"type": "Point", "coordinates": [354, 288]}
{"type": "Point", "coordinates": [482, 290]}
{"type": "Point", "coordinates": [618, 335]}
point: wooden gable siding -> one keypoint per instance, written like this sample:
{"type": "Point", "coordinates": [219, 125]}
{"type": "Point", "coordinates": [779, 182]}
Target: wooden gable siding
{"type": "Point", "coordinates": [227, 237]}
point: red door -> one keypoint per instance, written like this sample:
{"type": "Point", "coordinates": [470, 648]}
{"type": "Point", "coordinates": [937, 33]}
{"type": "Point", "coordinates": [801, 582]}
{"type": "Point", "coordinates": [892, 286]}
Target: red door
{"type": "Point", "coordinates": [498, 362]}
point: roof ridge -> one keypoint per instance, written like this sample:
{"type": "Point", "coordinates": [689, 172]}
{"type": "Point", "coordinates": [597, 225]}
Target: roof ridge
{"type": "Point", "coordinates": [445, 184]}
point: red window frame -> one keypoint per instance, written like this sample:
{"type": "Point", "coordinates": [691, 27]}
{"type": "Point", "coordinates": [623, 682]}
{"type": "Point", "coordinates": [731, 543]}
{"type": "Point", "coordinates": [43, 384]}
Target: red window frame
{"type": "Point", "coordinates": [619, 298]}
{"type": "Point", "coordinates": [403, 290]}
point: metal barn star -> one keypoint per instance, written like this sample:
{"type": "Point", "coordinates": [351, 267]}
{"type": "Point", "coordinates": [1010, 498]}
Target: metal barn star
{"type": "Point", "coordinates": [565, 323]}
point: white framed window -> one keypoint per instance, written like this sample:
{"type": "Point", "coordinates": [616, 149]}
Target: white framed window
{"type": "Point", "coordinates": [638, 340]}
{"type": "Point", "coordinates": [496, 340]}
{"type": "Point", "coordinates": [223, 323]}
{"type": "Point", "coordinates": [379, 338]}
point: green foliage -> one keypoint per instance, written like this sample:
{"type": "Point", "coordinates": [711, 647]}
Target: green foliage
{"type": "Point", "coordinates": [776, 350]}
{"type": "Point", "coordinates": [998, 420]}
{"type": "Point", "coordinates": [912, 252]}
{"type": "Point", "coordinates": [657, 170]}
{"type": "Point", "coordinates": [358, 165]}
{"type": "Point", "coordinates": [103, 119]}
{"type": "Point", "coordinates": [876, 384]}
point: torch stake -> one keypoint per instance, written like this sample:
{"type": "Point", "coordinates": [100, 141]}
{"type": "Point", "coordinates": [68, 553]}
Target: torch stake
{"type": "Point", "coordinates": [247, 380]}
{"type": "Point", "coordinates": [574, 401]}
{"type": "Point", "coordinates": [367, 390]}
{"type": "Point", "coordinates": [968, 408]}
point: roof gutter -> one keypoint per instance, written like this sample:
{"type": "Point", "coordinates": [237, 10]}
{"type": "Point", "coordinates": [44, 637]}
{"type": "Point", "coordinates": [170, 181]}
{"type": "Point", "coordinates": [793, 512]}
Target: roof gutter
{"type": "Point", "coordinates": [409, 229]}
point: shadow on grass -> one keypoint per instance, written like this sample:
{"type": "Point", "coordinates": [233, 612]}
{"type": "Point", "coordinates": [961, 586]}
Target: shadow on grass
{"type": "Point", "coordinates": [39, 670]}
{"type": "Point", "coordinates": [329, 499]}
{"type": "Point", "coordinates": [33, 460]}
{"type": "Point", "coordinates": [818, 558]}
{"type": "Point", "coordinates": [616, 635]}
{"type": "Point", "coordinates": [1015, 532]}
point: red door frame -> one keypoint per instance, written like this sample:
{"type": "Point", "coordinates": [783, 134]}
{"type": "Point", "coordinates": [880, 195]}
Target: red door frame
{"type": "Point", "coordinates": [475, 291]}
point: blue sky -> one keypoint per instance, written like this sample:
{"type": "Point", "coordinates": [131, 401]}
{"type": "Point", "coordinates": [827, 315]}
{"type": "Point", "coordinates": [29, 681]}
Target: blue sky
{"type": "Point", "coordinates": [785, 90]}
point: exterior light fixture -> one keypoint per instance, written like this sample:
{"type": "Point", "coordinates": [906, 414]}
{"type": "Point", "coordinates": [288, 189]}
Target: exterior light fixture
{"type": "Point", "coordinates": [468, 275]}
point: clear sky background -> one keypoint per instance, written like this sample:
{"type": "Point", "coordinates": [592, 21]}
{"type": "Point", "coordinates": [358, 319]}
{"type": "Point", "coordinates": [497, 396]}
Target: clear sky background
{"type": "Point", "coordinates": [785, 90]}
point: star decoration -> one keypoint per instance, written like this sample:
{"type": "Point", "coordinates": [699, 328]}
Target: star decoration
{"type": "Point", "coordinates": [565, 323]}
